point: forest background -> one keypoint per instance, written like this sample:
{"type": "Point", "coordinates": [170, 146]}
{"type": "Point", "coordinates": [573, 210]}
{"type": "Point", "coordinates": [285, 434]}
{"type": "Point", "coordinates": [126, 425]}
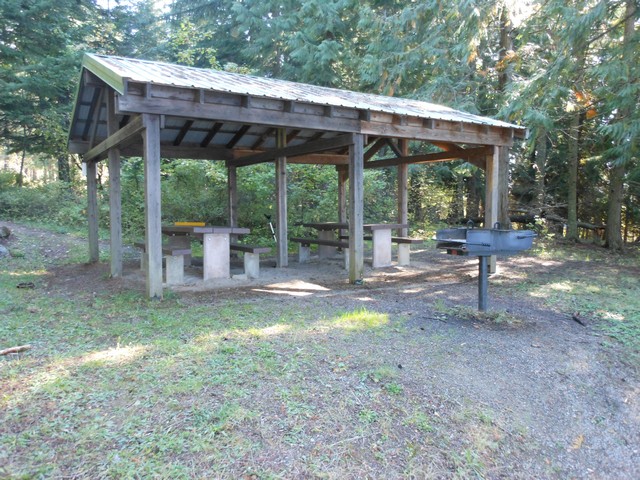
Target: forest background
{"type": "Point", "coordinates": [566, 69]}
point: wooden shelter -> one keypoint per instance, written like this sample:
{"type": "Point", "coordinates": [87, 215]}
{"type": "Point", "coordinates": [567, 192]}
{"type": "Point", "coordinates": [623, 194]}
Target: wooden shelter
{"type": "Point", "coordinates": [130, 107]}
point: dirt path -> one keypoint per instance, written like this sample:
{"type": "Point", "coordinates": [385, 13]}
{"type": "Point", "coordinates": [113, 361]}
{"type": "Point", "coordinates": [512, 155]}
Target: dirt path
{"type": "Point", "coordinates": [548, 397]}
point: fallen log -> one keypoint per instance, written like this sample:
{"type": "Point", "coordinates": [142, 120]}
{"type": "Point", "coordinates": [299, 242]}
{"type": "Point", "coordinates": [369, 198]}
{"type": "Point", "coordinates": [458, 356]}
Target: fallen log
{"type": "Point", "coordinates": [17, 349]}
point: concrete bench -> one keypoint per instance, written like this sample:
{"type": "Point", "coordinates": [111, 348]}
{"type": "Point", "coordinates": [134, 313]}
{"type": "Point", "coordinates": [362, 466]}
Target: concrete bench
{"type": "Point", "coordinates": [304, 253]}
{"type": "Point", "coordinates": [404, 246]}
{"type": "Point", "coordinates": [251, 257]}
{"type": "Point", "coordinates": [174, 262]}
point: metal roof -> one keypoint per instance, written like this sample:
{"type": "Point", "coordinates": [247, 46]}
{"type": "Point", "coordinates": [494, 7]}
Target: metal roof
{"type": "Point", "coordinates": [116, 71]}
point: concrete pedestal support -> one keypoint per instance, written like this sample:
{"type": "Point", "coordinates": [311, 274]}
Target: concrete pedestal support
{"type": "Point", "coordinates": [216, 252]}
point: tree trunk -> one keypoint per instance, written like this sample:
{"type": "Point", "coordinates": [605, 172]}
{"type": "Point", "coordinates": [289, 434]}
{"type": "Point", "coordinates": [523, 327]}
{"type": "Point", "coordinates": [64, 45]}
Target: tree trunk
{"type": "Point", "coordinates": [614, 218]}
{"type": "Point", "coordinates": [572, 184]}
{"type": "Point", "coordinates": [540, 168]}
{"type": "Point", "coordinates": [613, 236]}
{"type": "Point", "coordinates": [64, 172]}
{"type": "Point", "coordinates": [504, 78]}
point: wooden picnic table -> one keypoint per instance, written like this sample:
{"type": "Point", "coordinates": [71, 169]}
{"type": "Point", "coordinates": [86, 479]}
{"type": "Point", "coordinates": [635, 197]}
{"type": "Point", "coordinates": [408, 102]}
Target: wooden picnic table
{"type": "Point", "coordinates": [215, 246]}
{"type": "Point", "coordinates": [381, 236]}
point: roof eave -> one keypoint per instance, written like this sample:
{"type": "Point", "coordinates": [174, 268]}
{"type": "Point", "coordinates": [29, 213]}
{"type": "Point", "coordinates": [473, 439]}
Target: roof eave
{"type": "Point", "coordinates": [104, 72]}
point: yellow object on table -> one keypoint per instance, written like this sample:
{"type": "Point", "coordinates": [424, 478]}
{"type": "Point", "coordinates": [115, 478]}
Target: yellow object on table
{"type": "Point", "coordinates": [189, 224]}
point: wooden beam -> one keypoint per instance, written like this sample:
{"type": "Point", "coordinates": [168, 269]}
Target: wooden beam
{"type": "Point", "coordinates": [379, 125]}
{"type": "Point", "coordinates": [320, 159]}
{"type": "Point", "coordinates": [375, 148]}
{"type": "Point", "coordinates": [393, 147]}
{"type": "Point", "coordinates": [183, 132]}
{"type": "Point", "coordinates": [212, 133]}
{"type": "Point", "coordinates": [236, 114]}
{"type": "Point", "coordinates": [192, 153]}
{"type": "Point", "coordinates": [356, 210]}
{"type": "Point", "coordinates": [121, 138]}
{"type": "Point", "coordinates": [294, 151]}
{"type": "Point", "coordinates": [445, 133]}
{"type": "Point", "coordinates": [238, 136]}
{"type": "Point", "coordinates": [467, 154]}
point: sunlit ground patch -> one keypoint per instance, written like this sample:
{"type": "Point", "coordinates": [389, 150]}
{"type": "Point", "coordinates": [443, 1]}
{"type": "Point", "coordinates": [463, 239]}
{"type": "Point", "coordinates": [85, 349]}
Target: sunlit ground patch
{"type": "Point", "coordinates": [361, 320]}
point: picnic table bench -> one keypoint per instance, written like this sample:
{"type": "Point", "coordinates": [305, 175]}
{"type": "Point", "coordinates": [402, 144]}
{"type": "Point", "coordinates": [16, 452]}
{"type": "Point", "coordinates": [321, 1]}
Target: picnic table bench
{"type": "Point", "coordinates": [174, 262]}
{"type": "Point", "coordinates": [379, 233]}
{"type": "Point", "coordinates": [251, 257]}
{"type": "Point", "coordinates": [304, 252]}
{"type": "Point", "coordinates": [404, 246]}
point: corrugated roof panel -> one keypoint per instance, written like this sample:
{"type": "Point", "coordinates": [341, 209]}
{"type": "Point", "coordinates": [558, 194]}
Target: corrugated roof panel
{"type": "Point", "coordinates": [188, 77]}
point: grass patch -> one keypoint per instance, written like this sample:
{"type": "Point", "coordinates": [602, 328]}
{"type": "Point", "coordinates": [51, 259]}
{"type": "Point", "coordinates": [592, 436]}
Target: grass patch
{"type": "Point", "coordinates": [600, 286]}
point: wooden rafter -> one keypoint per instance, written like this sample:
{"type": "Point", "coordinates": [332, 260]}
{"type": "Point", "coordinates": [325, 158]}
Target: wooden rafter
{"type": "Point", "coordinates": [292, 134]}
{"type": "Point", "coordinates": [316, 136]}
{"type": "Point", "coordinates": [212, 133]}
{"type": "Point", "coordinates": [238, 136]}
{"type": "Point", "coordinates": [263, 138]}
{"type": "Point", "coordinates": [183, 132]}
{"type": "Point", "coordinates": [97, 95]}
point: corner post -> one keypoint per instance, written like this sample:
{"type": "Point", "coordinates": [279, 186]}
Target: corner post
{"type": "Point", "coordinates": [492, 196]}
{"type": "Point", "coordinates": [403, 189]}
{"type": "Point", "coordinates": [282, 233]}
{"type": "Point", "coordinates": [232, 188]}
{"type": "Point", "coordinates": [92, 211]}
{"type": "Point", "coordinates": [115, 192]}
{"type": "Point", "coordinates": [356, 210]}
{"type": "Point", "coordinates": [152, 204]}
{"type": "Point", "coordinates": [343, 177]}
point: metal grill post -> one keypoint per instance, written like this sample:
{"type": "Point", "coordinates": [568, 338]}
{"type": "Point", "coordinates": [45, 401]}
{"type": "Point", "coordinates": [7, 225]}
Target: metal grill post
{"type": "Point", "coordinates": [483, 282]}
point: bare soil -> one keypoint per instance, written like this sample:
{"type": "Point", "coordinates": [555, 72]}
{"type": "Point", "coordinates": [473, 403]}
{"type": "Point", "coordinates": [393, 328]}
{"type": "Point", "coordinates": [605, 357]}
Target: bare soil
{"type": "Point", "coordinates": [563, 400]}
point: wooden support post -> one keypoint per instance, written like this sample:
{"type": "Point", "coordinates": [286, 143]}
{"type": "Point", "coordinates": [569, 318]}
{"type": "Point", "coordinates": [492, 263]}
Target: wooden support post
{"type": "Point", "coordinates": [115, 192]}
{"type": "Point", "coordinates": [152, 204]}
{"type": "Point", "coordinates": [356, 210]}
{"type": "Point", "coordinates": [403, 189]}
{"type": "Point", "coordinates": [282, 233]}
{"type": "Point", "coordinates": [232, 191]}
{"type": "Point", "coordinates": [232, 188]}
{"type": "Point", "coordinates": [492, 196]}
{"type": "Point", "coordinates": [503, 187]}
{"type": "Point", "coordinates": [343, 177]}
{"type": "Point", "coordinates": [92, 212]}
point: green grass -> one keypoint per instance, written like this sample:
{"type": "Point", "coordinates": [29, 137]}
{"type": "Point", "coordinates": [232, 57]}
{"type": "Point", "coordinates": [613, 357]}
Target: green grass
{"type": "Point", "coordinates": [603, 288]}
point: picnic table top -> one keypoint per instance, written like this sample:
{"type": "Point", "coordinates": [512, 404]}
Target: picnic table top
{"type": "Point", "coordinates": [199, 230]}
{"type": "Point", "coordinates": [345, 226]}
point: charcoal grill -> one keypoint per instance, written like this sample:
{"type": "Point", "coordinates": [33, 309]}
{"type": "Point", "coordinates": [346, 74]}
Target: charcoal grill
{"type": "Point", "coordinates": [482, 243]}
